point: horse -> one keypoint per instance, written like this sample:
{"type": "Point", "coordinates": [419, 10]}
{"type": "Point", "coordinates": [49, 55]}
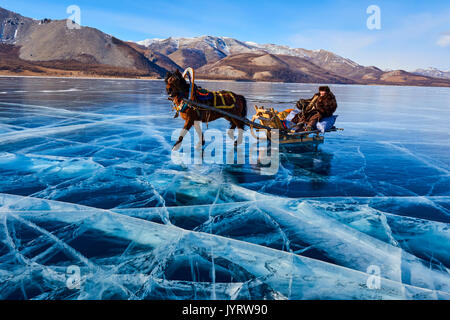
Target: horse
{"type": "Point", "coordinates": [178, 89]}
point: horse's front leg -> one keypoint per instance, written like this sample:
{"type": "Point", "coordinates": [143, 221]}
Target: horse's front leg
{"type": "Point", "coordinates": [198, 129]}
{"type": "Point", "coordinates": [187, 125]}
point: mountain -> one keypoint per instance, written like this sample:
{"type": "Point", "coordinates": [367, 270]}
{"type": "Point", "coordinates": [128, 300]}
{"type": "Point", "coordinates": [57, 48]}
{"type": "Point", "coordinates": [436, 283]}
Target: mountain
{"type": "Point", "coordinates": [13, 26]}
{"type": "Point", "coordinates": [157, 58]}
{"type": "Point", "coordinates": [196, 52]}
{"type": "Point", "coordinates": [47, 47]}
{"type": "Point", "coordinates": [210, 55]}
{"type": "Point", "coordinates": [433, 72]}
{"type": "Point", "coordinates": [325, 59]}
{"type": "Point", "coordinates": [268, 67]}
{"type": "Point", "coordinates": [339, 65]}
{"type": "Point", "coordinates": [401, 77]}
{"type": "Point", "coordinates": [52, 44]}
{"type": "Point", "coordinates": [227, 58]}
{"type": "Point", "coordinates": [204, 50]}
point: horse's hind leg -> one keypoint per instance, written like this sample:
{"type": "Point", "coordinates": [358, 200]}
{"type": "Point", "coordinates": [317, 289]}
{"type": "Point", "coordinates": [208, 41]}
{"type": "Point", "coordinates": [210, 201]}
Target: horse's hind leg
{"type": "Point", "coordinates": [237, 123]}
{"type": "Point", "coordinates": [231, 130]}
{"type": "Point", "coordinates": [239, 139]}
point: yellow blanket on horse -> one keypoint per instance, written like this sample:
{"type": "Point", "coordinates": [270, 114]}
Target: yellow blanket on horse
{"type": "Point", "coordinates": [217, 99]}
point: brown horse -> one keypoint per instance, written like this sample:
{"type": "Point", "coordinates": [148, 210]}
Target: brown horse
{"type": "Point", "coordinates": [178, 89]}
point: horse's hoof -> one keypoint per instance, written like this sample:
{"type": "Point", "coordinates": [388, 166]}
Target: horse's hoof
{"type": "Point", "coordinates": [198, 146]}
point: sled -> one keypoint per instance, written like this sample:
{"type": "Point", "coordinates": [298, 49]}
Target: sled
{"type": "Point", "coordinates": [274, 119]}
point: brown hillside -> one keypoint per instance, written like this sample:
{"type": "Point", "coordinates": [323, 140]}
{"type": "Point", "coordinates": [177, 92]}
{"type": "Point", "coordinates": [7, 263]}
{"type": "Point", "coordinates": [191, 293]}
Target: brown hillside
{"type": "Point", "coordinates": [268, 67]}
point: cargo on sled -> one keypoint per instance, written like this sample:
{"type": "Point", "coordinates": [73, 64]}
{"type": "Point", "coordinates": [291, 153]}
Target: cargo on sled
{"type": "Point", "coordinates": [281, 120]}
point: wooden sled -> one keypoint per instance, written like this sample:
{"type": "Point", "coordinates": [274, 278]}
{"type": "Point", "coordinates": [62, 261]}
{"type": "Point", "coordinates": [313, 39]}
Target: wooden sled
{"type": "Point", "coordinates": [274, 119]}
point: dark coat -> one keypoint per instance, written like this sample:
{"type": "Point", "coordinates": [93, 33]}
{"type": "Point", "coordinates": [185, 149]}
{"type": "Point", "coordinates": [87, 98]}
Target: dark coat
{"type": "Point", "coordinates": [325, 106]}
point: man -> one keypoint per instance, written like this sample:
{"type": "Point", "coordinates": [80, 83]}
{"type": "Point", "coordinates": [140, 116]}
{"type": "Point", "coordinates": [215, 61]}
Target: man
{"type": "Point", "coordinates": [321, 105]}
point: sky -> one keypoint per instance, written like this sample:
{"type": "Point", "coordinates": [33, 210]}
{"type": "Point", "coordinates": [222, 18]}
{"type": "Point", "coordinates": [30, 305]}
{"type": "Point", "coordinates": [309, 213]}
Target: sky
{"type": "Point", "coordinates": [408, 35]}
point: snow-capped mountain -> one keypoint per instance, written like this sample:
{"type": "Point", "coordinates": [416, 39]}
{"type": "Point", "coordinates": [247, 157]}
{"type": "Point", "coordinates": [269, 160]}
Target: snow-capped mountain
{"type": "Point", "coordinates": [38, 47]}
{"type": "Point", "coordinates": [433, 72]}
{"type": "Point", "coordinates": [223, 45]}
{"type": "Point", "coordinates": [228, 58]}
{"type": "Point", "coordinates": [205, 50]}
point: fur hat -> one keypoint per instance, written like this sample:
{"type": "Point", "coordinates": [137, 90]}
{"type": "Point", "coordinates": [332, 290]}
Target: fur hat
{"type": "Point", "coordinates": [324, 88]}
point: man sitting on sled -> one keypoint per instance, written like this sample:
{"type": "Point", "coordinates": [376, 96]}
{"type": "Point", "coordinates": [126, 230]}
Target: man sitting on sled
{"type": "Point", "coordinates": [322, 105]}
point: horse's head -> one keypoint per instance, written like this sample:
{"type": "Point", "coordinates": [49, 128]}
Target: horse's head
{"type": "Point", "coordinates": [176, 85]}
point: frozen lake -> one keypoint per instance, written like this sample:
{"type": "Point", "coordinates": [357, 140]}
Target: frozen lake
{"type": "Point", "coordinates": [92, 207]}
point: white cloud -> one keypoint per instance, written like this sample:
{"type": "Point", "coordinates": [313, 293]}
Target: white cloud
{"type": "Point", "coordinates": [409, 43]}
{"type": "Point", "coordinates": [444, 40]}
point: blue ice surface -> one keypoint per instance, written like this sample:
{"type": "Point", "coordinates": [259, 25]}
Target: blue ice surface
{"type": "Point", "coordinates": [86, 180]}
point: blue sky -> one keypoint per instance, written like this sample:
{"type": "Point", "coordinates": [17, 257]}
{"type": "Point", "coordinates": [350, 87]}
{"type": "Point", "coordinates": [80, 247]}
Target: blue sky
{"type": "Point", "coordinates": [413, 34]}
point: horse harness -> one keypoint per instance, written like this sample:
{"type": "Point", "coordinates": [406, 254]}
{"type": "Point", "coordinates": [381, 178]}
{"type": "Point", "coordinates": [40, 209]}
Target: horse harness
{"type": "Point", "coordinates": [215, 99]}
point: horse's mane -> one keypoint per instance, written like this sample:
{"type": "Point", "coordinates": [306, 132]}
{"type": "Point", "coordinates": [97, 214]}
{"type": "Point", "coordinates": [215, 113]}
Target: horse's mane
{"type": "Point", "coordinates": [180, 82]}
{"type": "Point", "coordinates": [176, 74]}
{"type": "Point", "coordinates": [168, 75]}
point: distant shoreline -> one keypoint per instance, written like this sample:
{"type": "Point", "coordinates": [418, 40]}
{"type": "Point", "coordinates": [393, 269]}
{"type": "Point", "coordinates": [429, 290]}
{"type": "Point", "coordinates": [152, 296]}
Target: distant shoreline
{"type": "Point", "coordinates": [215, 80]}
{"type": "Point", "coordinates": [83, 78]}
